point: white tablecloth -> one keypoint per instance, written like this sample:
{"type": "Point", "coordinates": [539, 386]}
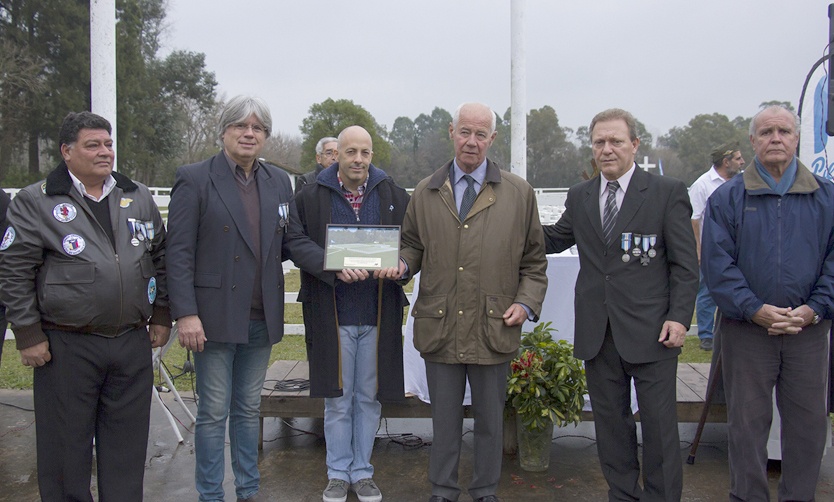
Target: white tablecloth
{"type": "Point", "coordinates": [562, 270]}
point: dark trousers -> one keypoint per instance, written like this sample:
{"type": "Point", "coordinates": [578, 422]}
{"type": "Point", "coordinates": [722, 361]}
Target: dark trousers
{"type": "Point", "coordinates": [447, 385]}
{"type": "Point", "coordinates": [100, 388]}
{"type": "Point", "coordinates": [797, 366]}
{"type": "Point", "coordinates": [609, 385]}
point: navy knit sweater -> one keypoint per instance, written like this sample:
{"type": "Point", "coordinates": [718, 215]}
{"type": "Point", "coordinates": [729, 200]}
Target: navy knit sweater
{"type": "Point", "coordinates": [356, 303]}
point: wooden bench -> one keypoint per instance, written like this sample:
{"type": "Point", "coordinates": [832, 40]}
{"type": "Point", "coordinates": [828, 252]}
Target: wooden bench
{"type": "Point", "coordinates": [691, 390]}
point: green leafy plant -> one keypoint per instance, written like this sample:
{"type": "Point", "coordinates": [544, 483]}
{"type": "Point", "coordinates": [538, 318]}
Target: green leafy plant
{"type": "Point", "coordinates": [546, 382]}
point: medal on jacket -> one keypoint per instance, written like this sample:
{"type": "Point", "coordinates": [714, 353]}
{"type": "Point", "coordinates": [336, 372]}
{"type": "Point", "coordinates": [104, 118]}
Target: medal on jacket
{"type": "Point", "coordinates": [625, 245]}
{"type": "Point", "coordinates": [644, 258]}
{"type": "Point", "coordinates": [652, 241]}
{"type": "Point", "coordinates": [636, 251]}
{"type": "Point", "coordinates": [283, 214]}
{"type": "Point", "coordinates": [135, 235]}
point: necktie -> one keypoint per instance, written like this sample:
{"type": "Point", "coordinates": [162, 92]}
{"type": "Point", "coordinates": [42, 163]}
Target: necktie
{"type": "Point", "coordinates": [609, 215]}
{"type": "Point", "coordinates": [468, 197]}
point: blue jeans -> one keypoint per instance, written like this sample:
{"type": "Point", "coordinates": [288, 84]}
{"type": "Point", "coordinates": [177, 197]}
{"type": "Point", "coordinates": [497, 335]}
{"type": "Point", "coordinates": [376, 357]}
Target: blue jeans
{"type": "Point", "coordinates": [705, 312]}
{"type": "Point", "coordinates": [230, 377]}
{"type": "Point", "coordinates": [351, 421]}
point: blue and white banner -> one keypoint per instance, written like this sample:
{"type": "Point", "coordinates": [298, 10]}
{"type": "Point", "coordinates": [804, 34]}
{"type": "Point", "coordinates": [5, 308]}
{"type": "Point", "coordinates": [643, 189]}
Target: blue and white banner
{"type": "Point", "coordinates": [816, 148]}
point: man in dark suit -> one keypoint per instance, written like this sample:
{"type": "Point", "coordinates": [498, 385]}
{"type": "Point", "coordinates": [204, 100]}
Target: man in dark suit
{"type": "Point", "coordinates": [635, 293]}
{"type": "Point", "coordinates": [233, 224]}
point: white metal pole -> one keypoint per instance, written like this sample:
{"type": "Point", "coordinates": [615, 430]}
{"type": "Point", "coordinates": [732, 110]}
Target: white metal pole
{"type": "Point", "coordinates": [103, 61]}
{"type": "Point", "coordinates": [518, 89]}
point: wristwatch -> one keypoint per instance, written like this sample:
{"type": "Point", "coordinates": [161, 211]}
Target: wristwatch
{"type": "Point", "coordinates": [816, 319]}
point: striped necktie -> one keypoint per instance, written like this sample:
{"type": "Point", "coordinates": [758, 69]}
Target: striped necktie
{"type": "Point", "coordinates": [609, 215]}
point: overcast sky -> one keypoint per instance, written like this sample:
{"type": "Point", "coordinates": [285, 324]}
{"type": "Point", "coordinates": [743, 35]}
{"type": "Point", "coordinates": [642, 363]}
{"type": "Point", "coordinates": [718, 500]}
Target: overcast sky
{"type": "Point", "coordinates": [664, 60]}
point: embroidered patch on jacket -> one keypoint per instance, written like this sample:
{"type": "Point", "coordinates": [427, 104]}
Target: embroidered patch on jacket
{"type": "Point", "coordinates": [64, 212]}
{"type": "Point", "coordinates": [152, 290]}
{"type": "Point", "coordinates": [8, 238]}
{"type": "Point", "coordinates": [125, 202]}
{"type": "Point", "coordinates": [74, 244]}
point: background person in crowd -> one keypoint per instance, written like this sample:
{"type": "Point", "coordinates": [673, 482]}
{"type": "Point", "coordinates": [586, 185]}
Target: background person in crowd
{"type": "Point", "coordinates": [768, 260]}
{"type": "Point", "coordinates": [726, 163]}
{"type": "Point", "coordinates": [355, 330]}
{"type": "Point", "coordinates": [326, 154]}
{"type": "Point", "coordinates": [232, 223]}
{"type": "Point", "coordinates": [474, 232]}
{"type": "Point", "coordinates": [634, 297]}
{"type": "Point", "coordinates": [84, 283]}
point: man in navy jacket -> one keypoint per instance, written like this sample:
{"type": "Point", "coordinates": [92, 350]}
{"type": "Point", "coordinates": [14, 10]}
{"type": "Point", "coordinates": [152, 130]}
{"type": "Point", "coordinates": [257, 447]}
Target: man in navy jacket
{"type": "Point", "coordinates": [767, 254]}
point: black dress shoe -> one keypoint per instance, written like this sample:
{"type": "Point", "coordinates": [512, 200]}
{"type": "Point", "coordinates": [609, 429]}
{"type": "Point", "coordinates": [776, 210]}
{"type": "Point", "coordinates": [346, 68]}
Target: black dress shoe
{"type": "Point", "coordinates": [438, 498]}
{"type": "Point", "coordinates": [488, 498]}
{"type": "Point", "coordinates": [706, 344]}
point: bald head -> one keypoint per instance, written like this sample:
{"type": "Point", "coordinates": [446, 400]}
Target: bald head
{"type": "Point", "coordinates": [355, 154]}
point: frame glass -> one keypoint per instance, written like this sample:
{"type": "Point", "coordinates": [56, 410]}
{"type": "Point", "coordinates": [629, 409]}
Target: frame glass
{"type": "Point", "coordinates": [369, 247]}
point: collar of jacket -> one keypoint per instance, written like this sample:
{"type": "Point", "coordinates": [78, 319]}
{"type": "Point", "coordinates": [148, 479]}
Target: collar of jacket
{"type": "Point", "coordinates": [58, 182]}
{"type": "Point", "coordinates": [441, 176]}
{"type": "Point", "coordinates": [805, 181]}
{"type": "Point", "coordinates": [329, 179]}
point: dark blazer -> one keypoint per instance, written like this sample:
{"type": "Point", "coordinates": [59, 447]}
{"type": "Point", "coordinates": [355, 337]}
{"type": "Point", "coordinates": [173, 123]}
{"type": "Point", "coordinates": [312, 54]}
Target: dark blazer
{"type": "Point", "coordinates": [635, 299]}
{"type": "Point", "coordinates": [212, 256]}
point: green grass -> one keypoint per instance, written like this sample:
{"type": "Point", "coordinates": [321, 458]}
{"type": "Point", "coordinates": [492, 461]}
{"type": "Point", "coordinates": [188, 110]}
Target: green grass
{"type": "Point", "coordinates": [14, 375]}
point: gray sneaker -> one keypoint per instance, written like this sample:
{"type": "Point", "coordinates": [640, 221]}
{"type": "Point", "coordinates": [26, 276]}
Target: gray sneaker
{"type": "Point", "coordinates": [336, 491]}
{"type": "Point", "coordinates": [366, 490]}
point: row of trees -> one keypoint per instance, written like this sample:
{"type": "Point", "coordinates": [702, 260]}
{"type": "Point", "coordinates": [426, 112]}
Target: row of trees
{"type": "Point", "coordinates": [556, 156]}
{"type": "Point", "coordinates": [168, 110]}
{"type": "Point", "coordinates": [45, 72]}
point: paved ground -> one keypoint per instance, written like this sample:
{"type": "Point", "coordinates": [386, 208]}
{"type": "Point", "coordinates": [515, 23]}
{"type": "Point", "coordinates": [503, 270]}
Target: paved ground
{"type": "Point", "coordinates": [292, 464]}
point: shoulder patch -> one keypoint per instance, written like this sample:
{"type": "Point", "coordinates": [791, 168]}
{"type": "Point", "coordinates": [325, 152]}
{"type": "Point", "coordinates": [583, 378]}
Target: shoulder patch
{"type": "Point", "coordinates": [8, 238]}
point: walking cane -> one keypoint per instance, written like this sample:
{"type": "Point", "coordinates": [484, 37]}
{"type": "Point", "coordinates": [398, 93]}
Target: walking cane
{"type": "Point", "coordinates": [716, 375]}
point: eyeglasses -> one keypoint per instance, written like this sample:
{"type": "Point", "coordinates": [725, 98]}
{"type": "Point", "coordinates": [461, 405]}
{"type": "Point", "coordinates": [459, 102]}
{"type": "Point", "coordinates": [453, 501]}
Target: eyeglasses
{"type": "Point", "coordinates": [330, 153]}
{"type": "Point", "coordinates": [240, 127]}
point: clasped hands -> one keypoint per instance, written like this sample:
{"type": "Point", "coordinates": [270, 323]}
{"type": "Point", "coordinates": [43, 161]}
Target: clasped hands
{"type": "Point", "coordinates": [783, 320]}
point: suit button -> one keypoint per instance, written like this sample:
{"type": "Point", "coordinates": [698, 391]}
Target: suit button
{"type": "Point", "coordinates": [466, 226]}
{"type": "Point", "coordinates": [439, 311]}
{"type": "Point", "coordinates": [460, 312]}
{"type": "Point", "coordinates": [237, 258]}
{"type": "Point", "coordinates": [226, 228]}
{"type": "Point", "coordinates": [460, 269]}
{"type": "Point", "coordinates": [491, 311]}
{"type": "Point", "coordinates": [607, 277]}
{"type": "Point", "coordinates": [234, 287]}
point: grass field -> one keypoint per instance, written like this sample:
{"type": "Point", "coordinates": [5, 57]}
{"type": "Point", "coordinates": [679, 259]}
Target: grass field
{"type": "Point", "coordinates": [14, 375]}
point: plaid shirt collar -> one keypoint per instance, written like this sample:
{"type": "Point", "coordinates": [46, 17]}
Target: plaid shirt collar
{"type": "Point", "coordinates": [355, 200]}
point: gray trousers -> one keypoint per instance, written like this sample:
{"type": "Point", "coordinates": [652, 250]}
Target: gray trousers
{"type": "Point", "coordinates": [797, 365]}
{"type": "Point", "coordinates": [447, 384]}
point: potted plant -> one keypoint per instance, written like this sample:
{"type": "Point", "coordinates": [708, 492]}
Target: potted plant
{"type": "Point", "coordinates": [546, 386]}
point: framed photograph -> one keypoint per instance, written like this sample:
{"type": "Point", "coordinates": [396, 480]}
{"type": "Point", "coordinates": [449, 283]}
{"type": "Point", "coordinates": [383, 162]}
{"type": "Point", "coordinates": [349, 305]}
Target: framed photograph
{"type": "Point", "coordinates": [370, 247]}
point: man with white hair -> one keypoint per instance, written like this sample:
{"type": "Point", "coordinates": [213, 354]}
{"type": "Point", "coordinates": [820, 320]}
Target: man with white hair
{"type": "Point", "coordinates": [327, 151]}
{"type": "Point", "coordinates": [768, 259]}
{"type": "Point", "coordinates": [473, 230]}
